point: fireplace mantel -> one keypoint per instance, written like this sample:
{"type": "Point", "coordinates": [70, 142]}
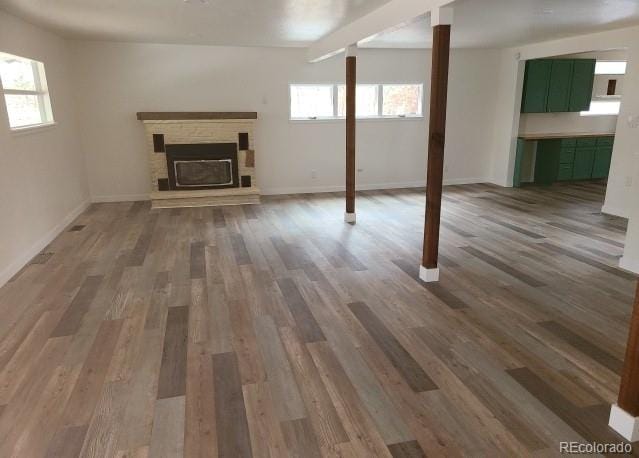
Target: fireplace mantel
{"type": "Point", "coordinates": [188, 115]}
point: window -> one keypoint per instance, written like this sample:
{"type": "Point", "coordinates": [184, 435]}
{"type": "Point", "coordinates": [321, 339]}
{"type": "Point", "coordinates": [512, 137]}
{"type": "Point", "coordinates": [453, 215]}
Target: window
{"type": "Point", "coordinates": [607, 67]}
{"type": "Point", "coordinates": [402, 100]}
{"type": "Point", "coordinates": [311, 101]}
{"type": "Point", "coordinates": [328, 101]}
{"type": "Point", "coordinates": [605, 100]}
{"type": "Point", "coordinates": [602, 108]}
{"type": "Point", "coordinates": [25, 92]}
{"type": "Point", "coordinates": [366, 100]}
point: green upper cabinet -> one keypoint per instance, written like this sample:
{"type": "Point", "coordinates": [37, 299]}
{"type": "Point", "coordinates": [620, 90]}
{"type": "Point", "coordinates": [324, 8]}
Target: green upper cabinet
{"type": "Point", "coordinates": [557, 85]}
{"type": "Point", "coordinates": [558, 99]}
{"type": "Point", "coordinates": [583, 79]}
{"type": "Point", "coordinates": [536, 82]}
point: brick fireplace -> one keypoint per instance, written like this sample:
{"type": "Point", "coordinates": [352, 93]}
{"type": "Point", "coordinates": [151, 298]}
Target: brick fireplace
{"type": "Point", "coordinates": [201, 158]}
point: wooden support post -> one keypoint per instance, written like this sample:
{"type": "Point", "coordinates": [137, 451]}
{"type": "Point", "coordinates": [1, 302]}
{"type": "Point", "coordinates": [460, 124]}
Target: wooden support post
{"type": "Point", "coordinates": [351, 82]}
{"type": "Point", "coordinates": [624, 416]}
{"type": "Point", "coordinates": [441, 20]}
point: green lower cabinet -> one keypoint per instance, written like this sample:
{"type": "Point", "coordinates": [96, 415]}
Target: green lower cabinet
{"type": "Point", "coordinates": [567, 156]}
{"type": "Point", "coordinates": [601, 165]}
{"type": "Point", "coordinates": [547, 161]}
{"type": "Point", "coordinates": [565, 172]}
{"type": "Point", "coordinates": [569, 159]}
{"type": "Point", "coordinates": [521, 144]}
{"type": "Point", "coordinates": [584, 161]}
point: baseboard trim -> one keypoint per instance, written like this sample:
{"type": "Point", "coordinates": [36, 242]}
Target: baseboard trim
{"type": "Point", "coordinates": [631, 265]}
{"type": "Point", "coordinates": [120, 198]}
{"type": "Point", "coordinates": [365, 187]}
{"type": "Point", "coordinates": [38, 246]}
{"type": "Point", "coordinates": [613, 211]}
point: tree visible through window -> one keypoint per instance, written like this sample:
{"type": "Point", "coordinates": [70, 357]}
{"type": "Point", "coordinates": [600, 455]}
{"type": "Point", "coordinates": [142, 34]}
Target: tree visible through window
{"type": "Point", "coordinates": [402, 100]}
{"type": "Point", "coordinates": [25, 91]}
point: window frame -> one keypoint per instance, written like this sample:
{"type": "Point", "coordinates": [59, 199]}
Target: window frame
{"type": "Point", "coordinates": [41, 91]}
{"type": "Point", "coordinates": [380, 102]}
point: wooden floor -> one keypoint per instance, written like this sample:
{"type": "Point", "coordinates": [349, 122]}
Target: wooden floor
{"type": "Point", "coordinates": [279, 330]}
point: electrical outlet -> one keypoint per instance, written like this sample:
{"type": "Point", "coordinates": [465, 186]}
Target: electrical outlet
{"type": "Point", "coordinates": [628, 182]}
{"type": "Point", "coordinates": [313, 174]}
{"type": "Point", "coordinates": [360, 170]}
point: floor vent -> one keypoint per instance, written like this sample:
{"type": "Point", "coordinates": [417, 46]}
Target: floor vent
{"type": "Point", "coordinates": [77, 228]}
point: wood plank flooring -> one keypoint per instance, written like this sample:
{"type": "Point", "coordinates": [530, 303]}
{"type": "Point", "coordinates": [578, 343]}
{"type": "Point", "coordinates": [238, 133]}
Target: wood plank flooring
{"type": "Point", "coordinates": [277, 330]}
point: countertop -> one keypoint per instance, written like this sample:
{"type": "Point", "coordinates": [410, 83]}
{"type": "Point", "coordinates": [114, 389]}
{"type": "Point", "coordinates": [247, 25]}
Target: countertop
{"type": "Point", "coordinates": [564, 135]}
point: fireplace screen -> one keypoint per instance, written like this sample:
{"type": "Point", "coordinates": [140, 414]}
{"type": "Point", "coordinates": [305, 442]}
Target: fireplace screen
{"type": "Point", "coordinates": [203, 172]}
{"type": "Point", "coordinates": [197, 166]}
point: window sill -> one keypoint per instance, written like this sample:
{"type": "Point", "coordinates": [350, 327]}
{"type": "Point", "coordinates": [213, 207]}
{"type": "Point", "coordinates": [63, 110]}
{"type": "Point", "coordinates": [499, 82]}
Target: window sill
{"type": "Point", "coordinates": [367, 119]}
{"type": "Point", "coordinates": [27, 130]}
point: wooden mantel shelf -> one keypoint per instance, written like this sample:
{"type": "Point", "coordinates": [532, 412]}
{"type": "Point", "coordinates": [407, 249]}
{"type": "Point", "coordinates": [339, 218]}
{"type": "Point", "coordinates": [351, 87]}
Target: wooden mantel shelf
{"type": "Point", "coordinates": [188, 115]}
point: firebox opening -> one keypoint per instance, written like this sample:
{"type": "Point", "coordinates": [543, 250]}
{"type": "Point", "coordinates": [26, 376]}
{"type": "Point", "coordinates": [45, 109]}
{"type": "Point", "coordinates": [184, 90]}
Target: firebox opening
{"type": "Point", "coordinates": [202, 166]}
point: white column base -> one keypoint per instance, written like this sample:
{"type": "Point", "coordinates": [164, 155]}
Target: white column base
{"type": "Point", "coordinates": [428, 275]}
{"type": "Point", "coordinates": [624, 423]}
{"type": "Point", "coordinates": [349, 217]}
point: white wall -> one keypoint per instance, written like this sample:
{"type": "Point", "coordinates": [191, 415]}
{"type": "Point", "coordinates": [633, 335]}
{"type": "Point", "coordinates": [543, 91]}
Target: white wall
{"type": "Point", "coordinates": [43, 183]}
{"type": "Point", "coordinates": [117, 80]}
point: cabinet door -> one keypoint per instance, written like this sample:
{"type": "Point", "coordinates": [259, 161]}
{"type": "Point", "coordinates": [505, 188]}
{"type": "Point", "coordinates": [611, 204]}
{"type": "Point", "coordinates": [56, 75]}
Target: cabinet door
{"type": "Point", "coordinates": [565, 172]}
{"type": "Point", "coordinates": [559, 88]}
{"type": "Point", "coordinates": [583, 78]}
{"type": "Point", "coordinates": [584, 160]}
{"type": "Point", "coordinates": [547, 161]}
{"type": "Point", "coordinates": [536, 83]}
{"type": "Point", "coordinates": [521, 144]}
{"type": "Point", "coordinates": [601, 166]}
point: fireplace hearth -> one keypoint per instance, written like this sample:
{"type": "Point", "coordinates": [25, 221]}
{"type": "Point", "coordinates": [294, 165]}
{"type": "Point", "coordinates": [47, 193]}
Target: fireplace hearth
{"type": "Point", "coordinates": [202, 166]}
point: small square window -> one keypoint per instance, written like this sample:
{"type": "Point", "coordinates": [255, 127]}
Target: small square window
{"type": "Point", "coordinates": [402, 100]}
{"type": "Point", "coordinates": [24, 87]}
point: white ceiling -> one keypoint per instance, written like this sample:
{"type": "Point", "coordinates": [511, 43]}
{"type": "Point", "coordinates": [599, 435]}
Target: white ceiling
{"type": "Point", "coordinates": [219, 22]}
{"type": "Point", "coordinates": [500, 23]}
{"type": "Point", "coordinates": [478, 23]}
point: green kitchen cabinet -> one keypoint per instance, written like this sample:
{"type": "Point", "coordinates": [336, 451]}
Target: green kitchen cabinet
{"type": "Point", "coordinates": [583, 79]}
{"type": "Point", "coordinates": [521, 143]}
{"type": "Point", "coordinates": [569, 159]}
{"type": "Point", "coordinates": [547, 161]}
{"type": "Point", "coordinates": [565, 172]}
{"type": "Point", "coordinates": [584, 161]}
{"type": "Point", "coordinates": [536, 83]}
{"type": "Point", "coordinates": [561, 74]}
{"type": "Point", "coordinates": [558, 85]}
{"type": "Point", "coordinates": [601, 164]}
{"type": "Point", "coordinates": [567, 155]}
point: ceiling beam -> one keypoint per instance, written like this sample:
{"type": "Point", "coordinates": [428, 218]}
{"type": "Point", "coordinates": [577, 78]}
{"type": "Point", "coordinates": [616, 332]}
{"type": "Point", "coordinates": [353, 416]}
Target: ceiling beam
{"type": "Point", "coordinates": [391, 15]}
